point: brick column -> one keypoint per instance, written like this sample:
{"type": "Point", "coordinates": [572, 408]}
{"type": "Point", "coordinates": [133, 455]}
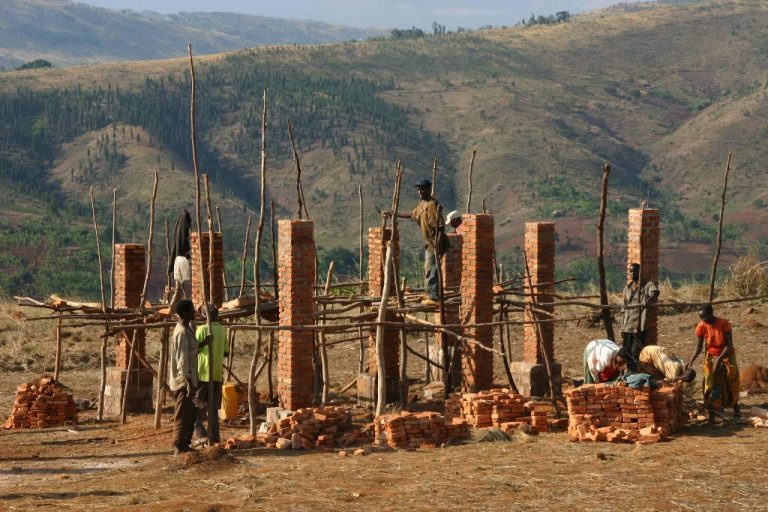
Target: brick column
{"type": "Point", "coordinates": [643, 248]}
{"type": "Point", "coordinates": [451, 276]}
{"type": "Point", "coordinates": [296, 281]}
{"type": "Point", "coordinates": [130, 270]}
{"type": "Point", "coordinates": [200, 291]}
{"type": "Point", "coordinates": [540, 247]}
{"type": "Point", "coordinates": [477, 299]}
{"type": "Point", "coordinates": [377, 254]}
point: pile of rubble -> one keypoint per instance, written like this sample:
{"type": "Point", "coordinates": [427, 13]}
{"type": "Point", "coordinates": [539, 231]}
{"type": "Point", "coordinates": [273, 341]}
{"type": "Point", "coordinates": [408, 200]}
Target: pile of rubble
{"type": "Point", "coordinates": [618, 413]}
{"type": "Point", "coordinates": [41, 404]}
{"type": "Point", "coordinates": [306, 429]}
{"type": "Point", "coordinates": [421, 430]}
{"type": "Point", "coordinates": [499, 408]}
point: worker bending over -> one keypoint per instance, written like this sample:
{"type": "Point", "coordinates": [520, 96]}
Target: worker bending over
{"type": "Point", "coordinates": [603, 361]}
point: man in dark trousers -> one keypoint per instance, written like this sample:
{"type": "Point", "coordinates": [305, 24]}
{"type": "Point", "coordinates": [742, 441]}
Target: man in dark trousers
{"type": "Point", "coordinates": [633, 325]}
{"type": "Point", "coordinates": [183, 377]}
{"type": "Point", "coordinates": [428, 214]}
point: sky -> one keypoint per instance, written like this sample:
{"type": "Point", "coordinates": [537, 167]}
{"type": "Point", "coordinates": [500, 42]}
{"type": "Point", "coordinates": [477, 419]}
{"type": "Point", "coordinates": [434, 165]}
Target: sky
{"type": "Point", "coordinates": [374, 13]}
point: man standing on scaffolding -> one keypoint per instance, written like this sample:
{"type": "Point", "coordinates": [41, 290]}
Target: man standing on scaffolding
{"type": "Point", "coordinates": [428, 214]}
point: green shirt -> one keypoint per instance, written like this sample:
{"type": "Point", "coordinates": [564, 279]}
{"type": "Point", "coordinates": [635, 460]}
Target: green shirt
{"type": "Point", "coordinates": [219, 349]}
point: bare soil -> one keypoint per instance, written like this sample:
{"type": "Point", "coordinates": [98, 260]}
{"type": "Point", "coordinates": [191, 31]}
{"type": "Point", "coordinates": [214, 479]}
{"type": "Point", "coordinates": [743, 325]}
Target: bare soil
{"type": "Point", "coordinates": [130, 467]}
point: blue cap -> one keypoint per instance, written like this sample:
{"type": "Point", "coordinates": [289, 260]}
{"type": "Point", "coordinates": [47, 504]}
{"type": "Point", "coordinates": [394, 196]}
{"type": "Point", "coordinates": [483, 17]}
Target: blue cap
{"type": "Point", "coordinates": [423, 184]}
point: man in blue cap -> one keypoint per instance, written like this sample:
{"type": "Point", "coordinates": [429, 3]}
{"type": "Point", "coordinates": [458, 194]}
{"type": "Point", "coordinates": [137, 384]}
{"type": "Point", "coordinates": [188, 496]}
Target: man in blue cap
{"type": "Point", "coordinates": [428, 214]}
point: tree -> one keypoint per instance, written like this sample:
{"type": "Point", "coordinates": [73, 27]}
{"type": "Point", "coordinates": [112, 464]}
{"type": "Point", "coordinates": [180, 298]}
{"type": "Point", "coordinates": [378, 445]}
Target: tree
{"type": "Point", "coordinates": [35, 64]}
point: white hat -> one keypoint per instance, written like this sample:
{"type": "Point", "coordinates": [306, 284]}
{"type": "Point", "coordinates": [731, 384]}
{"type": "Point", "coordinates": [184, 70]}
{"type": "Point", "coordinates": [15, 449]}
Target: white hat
{"type": "Point", "coordinates": [454, 214]}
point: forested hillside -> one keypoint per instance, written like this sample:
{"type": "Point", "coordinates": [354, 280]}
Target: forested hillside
{"type": "Point", "coordinates": [662, 93]}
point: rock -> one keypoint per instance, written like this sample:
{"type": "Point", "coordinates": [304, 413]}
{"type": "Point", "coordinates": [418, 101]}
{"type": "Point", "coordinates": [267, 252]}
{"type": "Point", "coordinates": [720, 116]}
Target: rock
{"type": "Point", "coordinates": [342, 453]}
{"type": "Point", "coordinates": [360, 452]}
{"type": "Point", "coordinates": [283, 444]}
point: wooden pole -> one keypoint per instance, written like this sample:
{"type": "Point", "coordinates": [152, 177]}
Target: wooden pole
{"type": "Point", "coordinates": [323, 351]}
{"type": "Point", "coordinates": [471, 169]}
{"type": "Point", "coordinates": [245, 257]}
{"type": "Point", "coordinates": [542, 347]}
{"type": "Point", "coordinates": [504, 355]}
{"type": "Point", "coordinates": [211, 405]}
{"type": "Point", "coordinates": [256, 273]}
{"type": "Point", "coordinates": [114, 239]}
{"type": "Point", "coordinates": [168, 292]}
{"type": "Point", "coordinates": [103, 382]}
{"type": "Point", "coordinates": [713, 274]}
{"type": "Point", "coordinates": [57, 365]}
{"type": "Point", "coordinates": [273, 241]}
{"type": "Point", "coordinates": [270, 359]}
{"type": "Point", "coordinates": [606, 313]}
{"type": "Point", "coordinates": [381, 400]}
{"type": "Point", "coordinates": [198, 219]}
{"type": "Point", "coordinates": [147, 274]}
{"type": "Point", "coordinates": [161, 374]}
{"type": "Point", "coordinates": [299, 193]}
{"type": "Point", "coordinates": [361, 343]}
{"type": "Point", "coordinates": [224, 269]}
{"type": "Point", "coordinates": [434, 176]}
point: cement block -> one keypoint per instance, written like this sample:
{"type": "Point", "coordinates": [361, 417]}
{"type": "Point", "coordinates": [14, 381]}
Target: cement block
{"type": "Point", "coordinates": [531, 379]}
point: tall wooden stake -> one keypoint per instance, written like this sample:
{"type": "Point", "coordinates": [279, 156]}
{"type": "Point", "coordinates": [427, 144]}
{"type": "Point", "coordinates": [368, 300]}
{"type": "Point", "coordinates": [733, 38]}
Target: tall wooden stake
{"type": "Point", "coordinates": [198, 219]}
{"type": "Point", "coordinates": [321, 334]}
{"type": "Point", "coordinates": [256, 273]}
{"type": "Point", "coordinates": [147, 274]}
{"type": "Point", "coordinates": [713, 275]}
{"type": "Point", "coordinates": [161, 376]}
{"type": "Point", "coordinates": [224, 270]}
{"type": "Point", "coordinates": [245, 257]}
{"type": "Point", "coordinates": [168, 264]}
{"type": "Point", "coordinates": [211, 405]}
{"type": "Point", "coordinates": [103, 382]}
{"type": "Point", "coordinates": [114, 239]}
{"type": "Point", "coordinates": [606, 313]}
{"type": "Point", "coordinates": [57, 364]}
{"type": "Point", "coordinates": [299, 192]}
{"type": "Point", "coordinates": [361, 342]}
{"type": "Point", "coordinates": [273, 241]}
{"type": "Point", "coordinates": [434, 176]}
{"type": "Point", "coordinates": [469, 191]}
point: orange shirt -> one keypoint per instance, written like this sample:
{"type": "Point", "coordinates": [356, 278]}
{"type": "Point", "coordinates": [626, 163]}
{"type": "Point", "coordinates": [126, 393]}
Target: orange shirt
{"type": "Point", "coordinates": [714, 335]}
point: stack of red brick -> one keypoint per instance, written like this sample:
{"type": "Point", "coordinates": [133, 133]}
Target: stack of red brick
{"type": "Point", "coordinates": [618, 413]}
{"type": "Point", "coordinates": [499, 408]}
{"type": "Point", "coordinates": [413, 431]}
{"type": "Point", "coordinates": [41, 404]}
{"type": "Point", "coordinates": [306, 429]}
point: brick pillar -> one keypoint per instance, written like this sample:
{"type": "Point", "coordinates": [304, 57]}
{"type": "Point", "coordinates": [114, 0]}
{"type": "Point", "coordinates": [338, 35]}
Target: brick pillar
{"type": "Point", "coordinates": [540, 247]}
{"type": "Point", "coordinates": [377, 254]}
{"type": "Point", "coordinates": [200, 291]}
{"type": "Point", "coordinates": [477, 299]}
{"type": "Point", "coordinates": [130, 270]}
{"type": "Point", "coordinates": [451, 276]}
{"type": "Point", "coordinates": [643, 248]}
{"type": "Point", "coordinates": [296, 281]}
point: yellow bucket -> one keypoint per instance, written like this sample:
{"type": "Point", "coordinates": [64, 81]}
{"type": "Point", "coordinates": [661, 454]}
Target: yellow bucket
{"type": "Point", "coordinates": [229, 401]}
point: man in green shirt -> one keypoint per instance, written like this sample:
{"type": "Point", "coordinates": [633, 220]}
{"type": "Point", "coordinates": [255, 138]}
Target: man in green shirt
{"type": "Point", "coordinates": [217, 345]}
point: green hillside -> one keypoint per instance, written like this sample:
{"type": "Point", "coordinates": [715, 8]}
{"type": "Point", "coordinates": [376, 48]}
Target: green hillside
{"type": "Point", "coordinates": [662, 93]}
{"type": "Point", "coordinates": [71, 33]}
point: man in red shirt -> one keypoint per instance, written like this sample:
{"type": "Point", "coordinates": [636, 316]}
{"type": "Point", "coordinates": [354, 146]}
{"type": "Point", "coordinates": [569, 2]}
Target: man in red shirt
{"type": "Point", "coordinates": [721, 373]}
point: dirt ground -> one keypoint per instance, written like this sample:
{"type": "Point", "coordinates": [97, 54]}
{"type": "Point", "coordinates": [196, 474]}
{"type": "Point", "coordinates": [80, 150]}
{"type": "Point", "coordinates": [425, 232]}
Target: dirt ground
{"type": "Point", "coordinates": [130, 467]}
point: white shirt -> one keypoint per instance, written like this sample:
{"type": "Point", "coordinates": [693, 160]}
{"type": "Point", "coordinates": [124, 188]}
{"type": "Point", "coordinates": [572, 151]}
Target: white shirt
{"type": "Point", "coordinates": [599, 355]}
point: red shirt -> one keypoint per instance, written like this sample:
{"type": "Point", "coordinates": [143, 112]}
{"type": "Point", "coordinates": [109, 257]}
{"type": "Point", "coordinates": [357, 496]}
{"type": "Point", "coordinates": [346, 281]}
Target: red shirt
{"type": "Point", "coordinates": [714, 335]}
{"type": "Point", "coordinates": [609, 374]}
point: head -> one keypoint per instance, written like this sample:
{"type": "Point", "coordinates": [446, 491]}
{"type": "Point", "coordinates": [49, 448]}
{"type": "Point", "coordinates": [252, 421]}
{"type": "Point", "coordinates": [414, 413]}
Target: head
{"type": "Point", "coordinates": [622, 356]}
{"type": "Point", "coordinates": [453, 219]}
{"type": "Point", "coordinates": [707, 314]}
{"type": "Point", "coordinates": [185, 310]}
{"type": "Point", "coordinates": [424, 189]}
{"type": "Point", "coordinates": [212, 309]}
{"type": "Point", "coordinates": [633, 272]}
{"type": "Point", "coordinates": [688, 376]}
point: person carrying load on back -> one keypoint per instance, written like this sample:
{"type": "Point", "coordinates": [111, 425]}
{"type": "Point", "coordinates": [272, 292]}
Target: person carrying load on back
{"type": "Point", "coordinates": [179, 267]}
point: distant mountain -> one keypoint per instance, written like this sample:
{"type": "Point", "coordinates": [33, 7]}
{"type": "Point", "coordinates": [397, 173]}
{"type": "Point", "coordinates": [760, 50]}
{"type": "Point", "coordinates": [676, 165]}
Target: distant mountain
{"type": "Point", "coordinates": [67, 33]}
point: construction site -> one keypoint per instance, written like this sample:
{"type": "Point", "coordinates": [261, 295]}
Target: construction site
{"type": "Point", "coordinates": [366, 392]}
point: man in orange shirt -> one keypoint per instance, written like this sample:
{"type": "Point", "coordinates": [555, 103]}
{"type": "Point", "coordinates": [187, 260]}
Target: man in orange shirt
{"type": "Point", "coordinates": [721, 373]}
